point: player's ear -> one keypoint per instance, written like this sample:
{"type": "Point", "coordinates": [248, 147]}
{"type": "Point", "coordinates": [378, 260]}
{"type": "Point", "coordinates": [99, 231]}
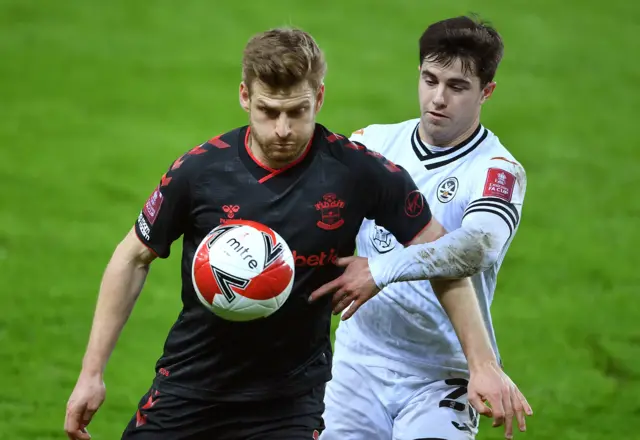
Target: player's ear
{"type": "Point", "coordinates": [488, 91]}
{"type": "Point", "coordinates": [320, 98]}
{"type": "Point", "coordinates": [245, 96]}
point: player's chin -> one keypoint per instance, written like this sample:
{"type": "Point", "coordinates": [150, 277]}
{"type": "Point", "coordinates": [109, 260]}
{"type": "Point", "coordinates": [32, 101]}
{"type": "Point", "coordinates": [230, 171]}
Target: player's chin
{"type": "Point", "coordinates": [437, 121]}
{"type": "Point", "coordinates": [283, 153]}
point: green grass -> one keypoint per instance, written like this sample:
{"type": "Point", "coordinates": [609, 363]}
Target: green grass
{"type": "Point", "coordinates": [97, 98]}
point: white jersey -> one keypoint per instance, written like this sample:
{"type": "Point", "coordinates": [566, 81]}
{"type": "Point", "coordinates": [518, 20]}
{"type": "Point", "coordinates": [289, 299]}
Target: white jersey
{"type": "Point", "coordinates": [404, 327]}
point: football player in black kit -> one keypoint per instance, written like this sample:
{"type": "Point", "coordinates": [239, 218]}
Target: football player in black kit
{"type": "Point", "coordinates": [261, 379]}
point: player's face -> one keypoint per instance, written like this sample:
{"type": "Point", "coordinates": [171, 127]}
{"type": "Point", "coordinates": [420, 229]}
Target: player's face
{"type": "Point", "coordinates": [450, 102]}
{"type": "Point", "coordinates": [282, 121]}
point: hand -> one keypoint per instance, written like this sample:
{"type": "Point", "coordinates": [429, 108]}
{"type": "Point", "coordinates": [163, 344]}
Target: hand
{"type": "Point", "coordinates": [85, 400]}
{"type": "Point", "coordinates": [489, 383]}
{"type": "Point", "coordinates": [354, 287]}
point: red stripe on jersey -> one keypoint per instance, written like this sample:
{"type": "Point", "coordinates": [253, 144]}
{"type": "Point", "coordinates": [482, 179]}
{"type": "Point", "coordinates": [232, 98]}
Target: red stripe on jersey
{"type": "Point", "coordinates": [164, 181]}
{"type": "Point", "coordinates": [198, 149]}
{"type": "Point", "coordinates": [334, 137]}
{"type": "Point", "coordinates": [217, 142]}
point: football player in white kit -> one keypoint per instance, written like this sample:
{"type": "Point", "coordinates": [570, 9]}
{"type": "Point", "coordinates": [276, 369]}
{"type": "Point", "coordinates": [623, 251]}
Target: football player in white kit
{"type": "Point", "coordinates": [399, 371]}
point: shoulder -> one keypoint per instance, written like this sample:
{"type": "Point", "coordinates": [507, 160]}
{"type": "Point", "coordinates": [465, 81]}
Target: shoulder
{"type": "Point", "coordinates": [353, 153]}
{"type": "Point", "coordinates": [192, 162]}
{"type": "Point", "coordinates": [205, 153]}
{"type": "Point", "coordinates": [496, 169]}
{"type": "Point", "coordinates": [378, 135]}
{"type": "Point", "coordinates": [494, 154]}
{"type": "Point", "coordinates": [387, 129]}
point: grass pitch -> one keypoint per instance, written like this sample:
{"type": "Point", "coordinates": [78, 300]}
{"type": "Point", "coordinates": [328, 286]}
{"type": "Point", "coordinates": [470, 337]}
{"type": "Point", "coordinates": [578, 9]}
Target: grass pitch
{"type": "Point", "coordinates": [97, 99]}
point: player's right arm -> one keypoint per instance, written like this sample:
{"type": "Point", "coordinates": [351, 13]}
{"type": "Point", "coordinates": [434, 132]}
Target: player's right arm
{"type": "Point", "coordinates": [489, 222]}
{"type": "Point", "coordinates": [160, 222]}
{"type": "Point", "coordinates": [121, 284]}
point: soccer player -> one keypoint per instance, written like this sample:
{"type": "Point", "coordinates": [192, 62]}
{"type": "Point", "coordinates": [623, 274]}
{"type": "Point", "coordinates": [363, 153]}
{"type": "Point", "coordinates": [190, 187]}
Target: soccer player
{"type": "Point", "coordinates": [399, 371]}
{"type": "Point", "coordinates": [262, 379]}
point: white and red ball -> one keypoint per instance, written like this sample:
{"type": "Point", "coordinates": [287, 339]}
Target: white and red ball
{"type": "Point", "coordinates": [243, 270]}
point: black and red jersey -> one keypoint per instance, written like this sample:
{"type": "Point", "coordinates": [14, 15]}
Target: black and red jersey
{"type": "Point", "coordinates": [317, 205]}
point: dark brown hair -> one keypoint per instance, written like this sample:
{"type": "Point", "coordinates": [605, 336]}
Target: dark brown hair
{"type": "Point", "coordinates": [282, 58]}
{"type": "Point", "coordinates": [474, 42]}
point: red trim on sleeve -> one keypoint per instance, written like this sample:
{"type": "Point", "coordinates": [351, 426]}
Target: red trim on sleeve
{"type": "Point", "coordinates": [407, 243]}
{"type": "Point", "coordinates": [145, 244]}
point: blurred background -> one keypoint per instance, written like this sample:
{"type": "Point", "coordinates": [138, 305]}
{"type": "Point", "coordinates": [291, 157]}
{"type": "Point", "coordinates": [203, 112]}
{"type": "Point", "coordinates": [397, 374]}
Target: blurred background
{"type": "Point", "coordinates": [98, 98]}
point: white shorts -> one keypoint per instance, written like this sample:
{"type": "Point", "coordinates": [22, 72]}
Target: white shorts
{"type": "Point", "coordinates": [373, 403]}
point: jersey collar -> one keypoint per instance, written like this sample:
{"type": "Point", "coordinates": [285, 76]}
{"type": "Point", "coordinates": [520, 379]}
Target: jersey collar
{"type": "Point", "coordinates": [264, 173]}
{"type": "Point", "coordinates": [432, 160]}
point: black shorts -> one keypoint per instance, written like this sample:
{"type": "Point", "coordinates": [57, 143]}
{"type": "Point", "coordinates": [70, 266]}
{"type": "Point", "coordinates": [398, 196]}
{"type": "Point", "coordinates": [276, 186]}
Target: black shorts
{"type": "Point", "coordinates": [167, 417]}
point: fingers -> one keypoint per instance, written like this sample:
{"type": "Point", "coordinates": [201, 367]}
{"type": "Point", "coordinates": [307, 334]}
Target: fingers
{"type": "Point", "coordinates": [338, 297]}
{"type": "Point", "coordinates": [355, 305]}
{"type": "Point", "coordinates": [83, 434]}
{"type": "Point", "coordinates": [326, 289]}
{"type": "Point", "coordinates": [477, 404]}
{"type": "Point", "coordinates": [518, 408]}
{"type": "Point", "coordinates": [497, 408]}
{"type": "Point", "coordinates": [345, 299]}
{"type": "Point", "coordinates": [522, 407]}
{"type": "Point", "coordinates": [525, 404]}
{"type": "Point", "coordinates": [73, 424]}
{"type": "Point", "coordinates": [508, 413]}
{"type": "Point", "coordinates": [87, 416]}
{"type": "Point", "coordinates": [345, 261]}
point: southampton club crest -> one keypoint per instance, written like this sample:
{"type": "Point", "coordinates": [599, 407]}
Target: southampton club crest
{"type": "Point", "coordinates": [330, 208]}
{"type": "Point", "coordinates": [382, 240]}
{"type": "Point", "coordinates": [447, 189]}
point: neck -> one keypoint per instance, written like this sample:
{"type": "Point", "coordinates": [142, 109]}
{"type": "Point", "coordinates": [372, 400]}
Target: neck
{"type": "Point", "coordinates": [447, 142]}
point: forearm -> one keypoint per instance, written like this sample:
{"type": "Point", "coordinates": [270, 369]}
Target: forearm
{"type": "Point", "coordinates": [458, 254]}
{"type": "Point", "coordinates": [459, 301]}
{"type": "Point", "coordinates": [121, 285]}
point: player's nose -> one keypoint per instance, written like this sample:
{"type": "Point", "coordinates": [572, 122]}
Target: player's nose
{"type": "Point", "coordinates": [283, 127]}
{"type": "Point", "coordinates": [438, 98]}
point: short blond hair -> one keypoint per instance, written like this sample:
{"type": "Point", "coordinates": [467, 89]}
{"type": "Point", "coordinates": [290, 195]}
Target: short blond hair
{"type": "Point", "coordinates": [282, 58]}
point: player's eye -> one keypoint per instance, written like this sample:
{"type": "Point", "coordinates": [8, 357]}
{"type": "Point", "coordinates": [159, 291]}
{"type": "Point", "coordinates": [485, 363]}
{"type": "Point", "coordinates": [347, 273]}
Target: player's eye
{"type": "Point", "coordinates": [296, 113]}
{"type": "Point", "coordinates": [458, 87]}
{"type": "Point", "coordinates": [269, 112]}
{"type": "Point", "coordinates": [431, 82]}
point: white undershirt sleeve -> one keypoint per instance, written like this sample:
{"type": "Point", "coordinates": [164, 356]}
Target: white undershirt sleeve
{"type": "Point", "coordinates": [489, 221]}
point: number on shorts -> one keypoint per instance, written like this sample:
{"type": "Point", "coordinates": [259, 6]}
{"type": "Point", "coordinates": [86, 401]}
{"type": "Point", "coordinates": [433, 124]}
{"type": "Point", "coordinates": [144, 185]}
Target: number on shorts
{"type": "Point", "coordinates": [450, 401]}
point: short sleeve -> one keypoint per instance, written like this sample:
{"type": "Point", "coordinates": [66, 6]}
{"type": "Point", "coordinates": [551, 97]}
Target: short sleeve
{"type": "Point", "coordinates": [394, 200]}
{"type": "Point", "coordinates": [498, 189]}
{"type": "Point", "coordinates": [163, 217]}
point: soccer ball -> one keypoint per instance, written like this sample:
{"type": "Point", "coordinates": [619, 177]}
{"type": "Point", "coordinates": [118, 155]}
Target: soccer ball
{"type": "Point", "coordinates": [243, 270]}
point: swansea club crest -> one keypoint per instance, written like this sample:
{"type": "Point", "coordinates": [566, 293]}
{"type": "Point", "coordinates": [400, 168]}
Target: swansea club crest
{"type": "Point", "coordinates": [447, 189]}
